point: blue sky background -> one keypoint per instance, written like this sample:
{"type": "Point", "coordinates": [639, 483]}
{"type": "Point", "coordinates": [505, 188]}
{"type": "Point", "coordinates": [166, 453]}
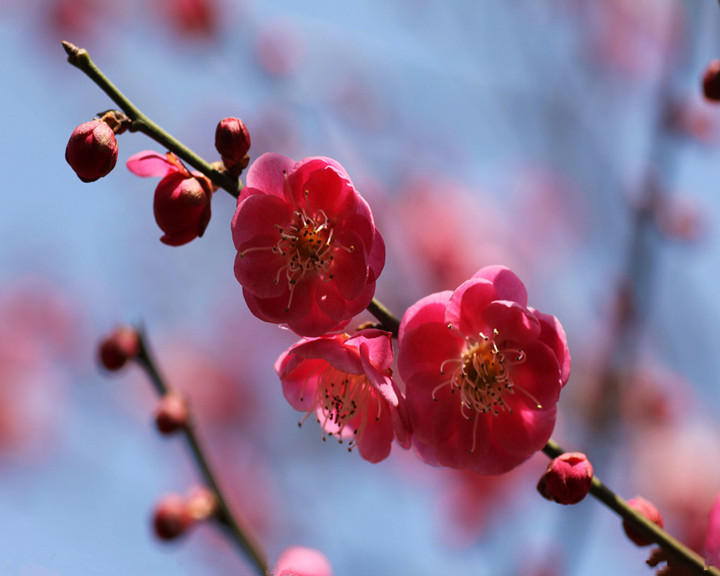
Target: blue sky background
{"type": "Point", "coordinates": [405, 95]}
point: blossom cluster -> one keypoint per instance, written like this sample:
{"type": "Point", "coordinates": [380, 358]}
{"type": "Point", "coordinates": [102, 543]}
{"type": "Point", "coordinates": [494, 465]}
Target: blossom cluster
{"type": "Point", "coordinates": [480, 372]}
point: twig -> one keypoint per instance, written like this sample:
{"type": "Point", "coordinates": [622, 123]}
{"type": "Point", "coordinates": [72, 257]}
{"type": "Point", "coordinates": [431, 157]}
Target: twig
{"type": "Point", "coordinates": [644, 526]}
{"type": "Point", "coordinates": [238, 532]}
{"type": "Point", "coordinates": [80, 58]}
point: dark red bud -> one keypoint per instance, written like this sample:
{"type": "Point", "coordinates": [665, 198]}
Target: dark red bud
{"type": "Point", "coordinates": [120, 346]}
{"type": "Point", "coordinates": [92, 150]}
{"type": "Point", "coordinates": [172, 517]}
{"type": "Point", "coordinates": [711, 81]}
{"type": "Point", "coordinates": [232, 140]}
{"type": "Point", "coordinates": [567, 478]}
{"type": "Point", "coordinates": [172, 413]}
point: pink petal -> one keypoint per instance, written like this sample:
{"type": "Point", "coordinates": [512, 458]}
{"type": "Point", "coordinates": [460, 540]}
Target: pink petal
{"type": "Point", "coordinates": [268, 173]}
{"type": "Point", "coordinates": [425, 349]}
{"type": "Point", "coordinates": [553, 335]}
{"type": "Point", "coordinates": [257, 217]}
{"type": "Point", "coordinates": [464, 310]}
{"type": "Point", "coordinates": [513, 322]}
{"type": "Point", "coordinates": [507, 284]}
{"type": "Point", "coordinates": [537, 378]}
{"type": "Point", "coordinates": [300, 561]}
{"type": "Point", "coordinates": [331, 349]}
{"type": "Point", "coordinates": [523, 432]}
{"type": "Point", "coordinates": [260, 274]}
{"type": "Point", "coordinates": [376, 440]}
{"type": "Point", "coordinates": [430, 308]}
{"type": "Point", "coordinates": [149, 163]}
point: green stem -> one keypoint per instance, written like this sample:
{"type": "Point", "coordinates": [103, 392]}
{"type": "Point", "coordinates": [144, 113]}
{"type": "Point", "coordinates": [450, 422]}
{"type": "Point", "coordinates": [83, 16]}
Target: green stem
{"type": "Point", "coordinates": [80, 58]}
{"type": "Point", "coordinates": [647, 528]}
{"type": "Point", "coordinates": [388, 321]}
{"type": "Point", "coordinates": [240, 533]}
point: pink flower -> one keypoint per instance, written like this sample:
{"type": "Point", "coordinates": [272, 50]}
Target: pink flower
{"type": "Point", "coordinates": [483, 373]}
{"type": "Point", "coordinates": [647, 509]}
{"type": "Point", "coordinates": [308, 250]}
{"type": "Point", "coordinates": [345, 382]}
{"type": "Point", "coordinates": [301, 561]}
{"type": "Point", "coordinates": [182, 199]}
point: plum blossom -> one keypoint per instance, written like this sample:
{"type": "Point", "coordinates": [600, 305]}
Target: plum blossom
{"type": "Point", "coordinates": [182, 199]}
{"type": "Point", "coordinates": [309, 253]}
{"type": "Point", "coordinates": [344, 381]}
{"type": "Point", "coordinates": [483, 373]}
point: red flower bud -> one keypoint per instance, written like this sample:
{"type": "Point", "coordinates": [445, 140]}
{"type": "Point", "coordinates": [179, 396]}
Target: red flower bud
{"type": "Point", "coordinates": [567, 478]}
{"type": "Point", "coordinates": [650, 512]}
{"type": "Point", "coordinates": [711, 81]}
{"type": "Point", "coordinates": [92, 150]}
{"type": "Point", "coordinates": [172, 517]}
{"type": "Point", "coordinates": [232, 140]}
{"type": "Point", "coordinates": [182, 207]}
{"type": "Point", "coordinates": [120, 346]}
{"type": "Point", "coordinates": [172, 413]}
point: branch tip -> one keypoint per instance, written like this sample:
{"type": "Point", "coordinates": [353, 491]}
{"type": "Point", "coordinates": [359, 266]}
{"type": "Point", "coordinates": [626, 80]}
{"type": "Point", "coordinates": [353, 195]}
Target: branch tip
{"type": "Point", "coordinates": [74, 53]}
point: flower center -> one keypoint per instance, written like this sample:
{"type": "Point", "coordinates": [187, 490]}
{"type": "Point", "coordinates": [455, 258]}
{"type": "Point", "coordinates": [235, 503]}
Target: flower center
{"type": "Point", "coordinates": [341, 405]}
{"type": "Point", "coordinates": [482, 376]}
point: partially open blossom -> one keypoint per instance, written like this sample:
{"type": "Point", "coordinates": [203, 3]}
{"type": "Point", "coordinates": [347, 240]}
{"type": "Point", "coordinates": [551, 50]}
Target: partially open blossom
{"type": "Point", "coordinates": [92, 150]}
{"type": "Point", "coordinates": [172, 413]}
{"type": "Point", "coordinates": [301, 561]}
{"type": "Point", "coordinates": [175, 514]}
{"type": "Point", "coordinates": [567, 478]}
{"type": "Point", "coordinates": [309, 253]}
{"type": "Point", "coordinates": [647, 509]}
{"type": "Point", "coordinates": [483, 373]}
{"type": "Point", "coordinates": [344, 381]}
{"type": "Point", "coordinates": [118, 347]}
{"type": "Point", "coordinates": [232, 140]}
{"type": "Point", "coordinates": [182, 198]}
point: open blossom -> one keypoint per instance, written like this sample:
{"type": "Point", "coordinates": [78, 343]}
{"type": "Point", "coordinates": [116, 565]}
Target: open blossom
{"type": "Point", "coordinates": [483, 373]}
{"type": "Point", "coordinates": [309, 253]}
{"type": "Point", "coordinates": [344, 381]}
{"type": "Point", "coordinates": [182, 198]}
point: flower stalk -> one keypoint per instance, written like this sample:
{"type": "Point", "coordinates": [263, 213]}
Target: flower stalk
{"type": "Point", "coordinates": [240, 534]}
{"type": "Point", "coordinates": [80, 58]}
{"type": "Point", "coordinates": [646, 527]}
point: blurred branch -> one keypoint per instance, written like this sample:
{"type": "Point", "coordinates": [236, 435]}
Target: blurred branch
{"type": "Point", "coordinates": [239, 533]}
{"type": "Point", "coordinates": [644, 526]}
{"type": "Point", "coordinates": [80, 58]}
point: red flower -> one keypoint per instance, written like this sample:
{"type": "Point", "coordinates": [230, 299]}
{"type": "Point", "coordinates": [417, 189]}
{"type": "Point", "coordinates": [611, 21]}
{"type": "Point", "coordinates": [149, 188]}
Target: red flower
{"type": "Point", "coordinates": [182, 199]}
{"type": "Point", "coordinates": [92, 150]}
{"type": "Point", "coordinates": [345, 382]}
{"type": "Point", "coordinates": [483, 373]}
{"type": "Point", "coordinates": [567, 478]}
{"type": "Point", "coordinates": [309, 253]}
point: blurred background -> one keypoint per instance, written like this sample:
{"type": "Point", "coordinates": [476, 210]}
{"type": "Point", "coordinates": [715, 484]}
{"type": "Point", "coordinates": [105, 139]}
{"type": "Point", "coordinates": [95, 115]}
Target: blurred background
{"type": "Point", "coordinates": [567, 139]}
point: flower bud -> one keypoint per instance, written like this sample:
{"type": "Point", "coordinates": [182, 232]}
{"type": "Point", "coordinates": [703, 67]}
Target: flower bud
{"type": "Point", "coordinates": [302, 561]}
{"type": "Point", "coordinates": [172, 413]}
{"type": "Point", "coordinates": [182, 207]}
{"type": "Point", "coordinates": [711, 81]}
{"type": "Point", "coordinates": [121, 345]}
{"type": "Point", "coordinates": [172, 517]}
{"type": "Point", "coordinates": [232, 140]}
{"type": "Point", "coordinates": [567, 478]}
{"type": "Point", "coordinates": [650, 512]}
{"type": "Point", "coordinates": [92, 150]}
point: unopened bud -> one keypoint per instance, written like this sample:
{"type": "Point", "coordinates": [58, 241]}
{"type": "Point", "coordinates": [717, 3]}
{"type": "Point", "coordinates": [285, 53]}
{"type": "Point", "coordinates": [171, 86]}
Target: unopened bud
{"type": "Point", "coordinates": [182, 207]}
{"type": "Point", "coordinates": [121, 345]}
{"type": "Point", "coordinates": [650, 512]}
{"type": "Point", "coordinates": [92, 150]}
{"type": "Point", "coordinates": [567, 478]}
{"type": "Point", "coordinates": [711, 81]}
{"type": "Point", "coordinates": [172, 517]}
{"type": "Point", "coordinates": [172, 413]}
{"type": "Point", "coordinates": [232, 140]}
